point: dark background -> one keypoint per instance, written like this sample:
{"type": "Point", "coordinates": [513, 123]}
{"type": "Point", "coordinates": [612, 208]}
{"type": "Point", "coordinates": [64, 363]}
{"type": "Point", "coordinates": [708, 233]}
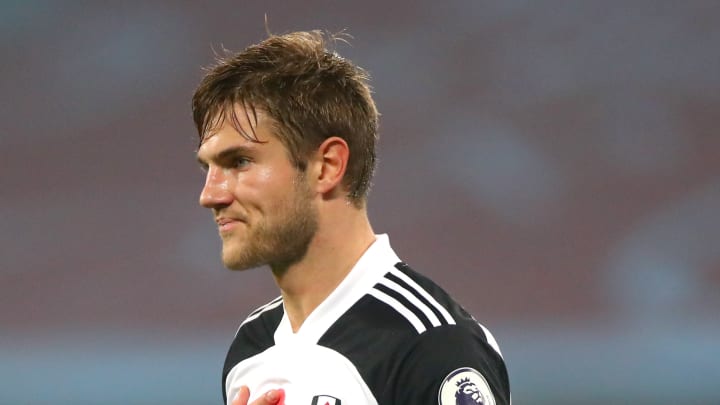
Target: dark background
{"type": "Point", "coordinates": [555, 165]}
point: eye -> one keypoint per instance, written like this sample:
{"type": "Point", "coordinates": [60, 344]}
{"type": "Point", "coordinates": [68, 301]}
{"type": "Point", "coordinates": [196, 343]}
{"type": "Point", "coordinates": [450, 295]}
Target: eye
{"type": "Point", "coordinates": [240, 162]}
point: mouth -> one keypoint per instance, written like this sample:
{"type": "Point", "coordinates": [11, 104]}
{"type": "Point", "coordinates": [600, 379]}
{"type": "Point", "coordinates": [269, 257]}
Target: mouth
{"type": "Point", "coordinates": [226, 224]}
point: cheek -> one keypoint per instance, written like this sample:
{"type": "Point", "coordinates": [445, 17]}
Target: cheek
{"type": "Point", "coordinates": [266, 175]}
{"type": "Point", "coordinates": [257, 182]}
{"type": "Point", "coordinates": [264, 186]}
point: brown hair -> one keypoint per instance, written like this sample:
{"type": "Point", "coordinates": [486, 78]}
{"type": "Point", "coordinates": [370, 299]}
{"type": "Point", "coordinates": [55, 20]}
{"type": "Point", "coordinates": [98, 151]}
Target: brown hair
{"type": "Point", "coordinates": [309, 93]}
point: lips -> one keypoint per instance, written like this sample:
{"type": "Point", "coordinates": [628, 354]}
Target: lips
{"type": "Point", "coordinates": [227, 223]}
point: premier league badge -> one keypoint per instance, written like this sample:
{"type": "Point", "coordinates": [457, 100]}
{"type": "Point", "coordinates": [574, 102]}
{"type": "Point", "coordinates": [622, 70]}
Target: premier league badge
{"type": "Point", "coordinates": [465, 386]}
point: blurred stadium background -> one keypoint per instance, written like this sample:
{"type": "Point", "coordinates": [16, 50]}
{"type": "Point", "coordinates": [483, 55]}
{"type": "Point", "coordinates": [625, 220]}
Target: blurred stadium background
{"type": "Point", "coordinates": [555, 165]}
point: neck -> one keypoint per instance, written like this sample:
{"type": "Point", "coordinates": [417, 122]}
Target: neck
{"type": "Point", "coordinates": [340, 241]}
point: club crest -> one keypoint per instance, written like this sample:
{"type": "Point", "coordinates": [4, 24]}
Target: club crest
{"type": "Point", "coordinates": [325, 400]}
{"type": "Point", "coordinates": [465, 386]}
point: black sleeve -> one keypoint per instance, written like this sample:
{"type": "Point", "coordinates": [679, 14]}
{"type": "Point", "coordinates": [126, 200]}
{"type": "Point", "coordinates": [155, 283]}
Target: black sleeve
{"type": "Point", "coordinates": [451, 365]}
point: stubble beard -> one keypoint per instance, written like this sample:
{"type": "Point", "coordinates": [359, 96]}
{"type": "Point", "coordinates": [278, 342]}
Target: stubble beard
{"type": "Point", "coordinates": [277, 241]}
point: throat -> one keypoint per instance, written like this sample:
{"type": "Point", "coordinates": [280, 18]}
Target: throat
{"type": "Point", "coordinates": [305, 289]}
{"type": "Point", "coordinates": [299, 308]}
{"type": "Point", "coordinates": [307, 284]}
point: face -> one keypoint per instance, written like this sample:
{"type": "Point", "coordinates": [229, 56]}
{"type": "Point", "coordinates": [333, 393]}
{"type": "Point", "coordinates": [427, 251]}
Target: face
{"type": "Point", "coordinates": [262, 204]}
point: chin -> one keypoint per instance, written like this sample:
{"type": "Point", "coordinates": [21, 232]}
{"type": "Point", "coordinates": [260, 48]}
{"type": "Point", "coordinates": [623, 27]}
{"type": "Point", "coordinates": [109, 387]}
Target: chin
{"type": "Point", "coordinates": [235, 266]}
{"type": "Point", "coordinates": [235, 259]}
{"type": "Point", "coordinates": [232, 262]}
{"type": "Point", "coordinates": [231, 259]}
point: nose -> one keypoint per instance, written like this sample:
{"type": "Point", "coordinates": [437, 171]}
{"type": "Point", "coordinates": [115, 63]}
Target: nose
{"type": "Point", "coordinates": [216, 192]}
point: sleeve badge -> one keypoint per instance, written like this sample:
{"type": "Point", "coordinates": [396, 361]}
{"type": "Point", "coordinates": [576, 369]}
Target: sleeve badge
{"type": "Point", "coordinates": [465, 386]}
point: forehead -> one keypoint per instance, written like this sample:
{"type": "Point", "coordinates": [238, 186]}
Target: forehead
{"type": "Point", "coordinates": [238, 125]}
{"type": "Point", "coordinates": [245, 120]}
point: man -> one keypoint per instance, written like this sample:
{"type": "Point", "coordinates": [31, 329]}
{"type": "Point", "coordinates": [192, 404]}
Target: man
{"type": "Point", "coordinates": [287, 138]}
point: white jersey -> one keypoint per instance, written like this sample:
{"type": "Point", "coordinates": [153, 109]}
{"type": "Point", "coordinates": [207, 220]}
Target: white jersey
{"type": "Point", "coordinates": [385, 335]}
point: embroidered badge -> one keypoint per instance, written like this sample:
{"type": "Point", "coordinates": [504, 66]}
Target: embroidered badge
{"type": "Point", "coordinates": [465, 386]}
{"type": "Point", "coordinates": [325, 400]}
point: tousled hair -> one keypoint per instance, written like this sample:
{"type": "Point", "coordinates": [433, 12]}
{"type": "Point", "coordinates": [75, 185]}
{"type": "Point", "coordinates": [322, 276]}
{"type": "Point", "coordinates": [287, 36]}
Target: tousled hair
{"type": "Point", "coordinates": [308, 92]}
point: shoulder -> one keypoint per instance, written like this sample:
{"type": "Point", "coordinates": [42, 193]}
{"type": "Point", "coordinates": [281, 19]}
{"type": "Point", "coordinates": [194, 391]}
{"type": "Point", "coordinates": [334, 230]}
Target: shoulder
{"type": "Point", "coordinates": [255, 334]}
{"type": "Point", "coordinates": [258, 328]}
{"type": "Point", "coordinates": [443, 319]}
{"type": "Point", "coordinates": [262, 315]}
{"type": "Point", "coordinates": [407, 333]}
{"type": "Point", "coordinates": [409, 305]}
{"type": "Point", "coordinates": [400, 304]}
{"type": "Point", "coordinates": [441, 360]}
{"type": "Point", "coordinates": [429, 303]}
{"type": "Point", "coordinates": [451, 359]}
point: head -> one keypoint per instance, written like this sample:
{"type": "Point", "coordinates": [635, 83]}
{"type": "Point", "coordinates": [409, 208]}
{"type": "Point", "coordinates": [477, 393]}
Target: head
{"type": "Point", "coordinates": [263, 118]}
{"type": "Point", "coordinates": [308, 92]}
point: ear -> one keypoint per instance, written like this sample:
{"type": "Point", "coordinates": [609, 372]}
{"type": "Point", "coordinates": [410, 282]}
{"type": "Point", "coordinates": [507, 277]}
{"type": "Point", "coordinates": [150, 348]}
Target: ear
{"type": "Point", "coordinates": [332, 159]}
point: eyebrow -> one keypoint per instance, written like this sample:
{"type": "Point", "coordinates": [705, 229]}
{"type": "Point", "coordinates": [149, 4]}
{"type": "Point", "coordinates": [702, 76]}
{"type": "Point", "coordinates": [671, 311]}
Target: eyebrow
{"type": "Point", "coordinates": [225, 154]}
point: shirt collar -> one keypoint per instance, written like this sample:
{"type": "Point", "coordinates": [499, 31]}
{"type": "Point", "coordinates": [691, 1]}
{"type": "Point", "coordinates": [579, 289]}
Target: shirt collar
{"type": "Point", "coordinates": [377, 260]}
